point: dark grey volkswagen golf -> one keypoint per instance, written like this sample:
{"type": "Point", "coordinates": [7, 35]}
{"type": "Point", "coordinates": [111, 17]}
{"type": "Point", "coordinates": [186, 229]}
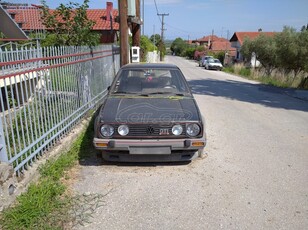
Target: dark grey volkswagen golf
{"type": "Point", "coordinates": [149, 115]}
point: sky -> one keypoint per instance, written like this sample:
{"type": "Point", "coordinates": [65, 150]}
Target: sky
{"type": "Point", "coordinates": [193, 19]}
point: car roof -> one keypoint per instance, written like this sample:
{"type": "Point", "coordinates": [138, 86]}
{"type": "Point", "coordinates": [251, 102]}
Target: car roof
{"type": "Point", "coordinates": [149, 66]}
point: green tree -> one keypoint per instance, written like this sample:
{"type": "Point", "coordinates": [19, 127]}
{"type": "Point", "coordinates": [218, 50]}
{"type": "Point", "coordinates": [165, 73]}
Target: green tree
{"type": "Point", "coordinates": [190, 52]}
{"type": "Point", "coordinates": [265, 49]}
{"type": "Point", "coordinates": [155, 39]}
{"type": "Point", "coordinates": [220, 56]}
{"type": "Point", "coordinates": [292, 50]}
{"type": "Point", "coordinates": [68, 25]}
{"type": "Point", "coordinates": [145, 46]}
{"type": "Point", "coordinates": [247, 49]}
{"type": "Point", "coordinates": [304, 28]}
{"type": "Point", "coordinates": [178, 46]}
{"type": "Point", "coordinates": [200, 48]}
{"type": "Point", "coordinates": [303, 51]}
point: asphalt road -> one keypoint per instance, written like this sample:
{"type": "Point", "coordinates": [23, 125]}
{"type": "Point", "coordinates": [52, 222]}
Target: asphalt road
{"type": "Point", "coordinates": [255, 175]}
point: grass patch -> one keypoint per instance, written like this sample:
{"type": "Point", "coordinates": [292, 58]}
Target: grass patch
{"type": "Point", "coordinates": [277, 78]}
{"type": "Point", "coordinates": [47, 203]}
{"type": "Point", "coordinates": [272, 81]}
{"type": "Point", "coordinates": [228, 69]}
{"type": "Point", "coordinates": [245, 72]}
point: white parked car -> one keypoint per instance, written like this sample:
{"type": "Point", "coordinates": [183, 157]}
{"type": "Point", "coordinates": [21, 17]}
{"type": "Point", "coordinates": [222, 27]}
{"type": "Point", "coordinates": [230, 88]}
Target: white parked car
{"type": "Point", "coordinates": [203, 60]}
{"type": "Point", "coordinates": [213, 63]}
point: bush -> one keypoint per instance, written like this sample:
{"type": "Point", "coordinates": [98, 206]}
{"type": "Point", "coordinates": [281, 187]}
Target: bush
{"type": "Point", "coordinates": [304, 83]}
{"type": "Point", "coordinates": [245, 72]}
{"type": "Point", "coordinates": [229, 69]}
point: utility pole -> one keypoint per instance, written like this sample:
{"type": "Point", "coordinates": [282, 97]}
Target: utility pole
{"type": "Point", "coordinates": [136, 26]}
{"type": "Point", "coordinates": [124, 46]}
{"type": "Point", "coordinates": [162, 35]}
{"type": "Point", "coordinates": [143, 17]}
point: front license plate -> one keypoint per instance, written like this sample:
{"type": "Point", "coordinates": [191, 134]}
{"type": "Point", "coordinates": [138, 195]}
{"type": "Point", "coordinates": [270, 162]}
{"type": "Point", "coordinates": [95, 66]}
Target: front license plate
{"type": "Point", "coordinates": [150, 150]}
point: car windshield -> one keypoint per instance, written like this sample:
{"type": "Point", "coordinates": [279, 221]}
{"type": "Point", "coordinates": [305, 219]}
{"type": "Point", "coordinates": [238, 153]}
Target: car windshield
{"type": "Point", "coordinates": [210, 60]}
{"type": "Point", "coordinates": [216, 60]}
{"type": "Point", "coordinates": [150, 82]}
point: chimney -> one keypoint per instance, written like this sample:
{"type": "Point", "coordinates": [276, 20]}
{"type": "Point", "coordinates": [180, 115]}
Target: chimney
{"type": "Point", "coordinates": [109, 11]}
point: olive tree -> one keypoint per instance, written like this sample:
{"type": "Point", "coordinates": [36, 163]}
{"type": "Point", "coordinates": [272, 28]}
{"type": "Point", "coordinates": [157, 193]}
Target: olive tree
{"type": "Point", "coordinates": [292, 50]}
{"type": "Point", "coordinates": [265, 49]}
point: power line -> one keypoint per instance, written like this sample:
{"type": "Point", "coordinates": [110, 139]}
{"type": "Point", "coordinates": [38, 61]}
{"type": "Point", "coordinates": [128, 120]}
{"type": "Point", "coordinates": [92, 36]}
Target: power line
{"type": "Point", "coordinates": [157, 11]}
{"type": "Point", "coordinates": [183, 31]}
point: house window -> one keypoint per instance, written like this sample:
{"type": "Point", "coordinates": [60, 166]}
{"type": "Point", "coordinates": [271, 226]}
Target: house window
{"type": "Point", "coordinates": [12, 15]}
{"type": "Point", "coordinates": [237, 55]}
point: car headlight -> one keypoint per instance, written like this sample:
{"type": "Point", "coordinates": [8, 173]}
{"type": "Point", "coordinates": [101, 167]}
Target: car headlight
{"type": "Point", "coordinates": [177, 130]}
{"type": "Point", "coordinates": [107, 130]}
{"type": "Point", "coordinates": [123, 130]}
{"type": "Point", "coordinates": [193, 130]}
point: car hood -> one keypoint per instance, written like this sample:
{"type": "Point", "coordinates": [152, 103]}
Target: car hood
{"type": "Point", "coordinates": [144, 110]}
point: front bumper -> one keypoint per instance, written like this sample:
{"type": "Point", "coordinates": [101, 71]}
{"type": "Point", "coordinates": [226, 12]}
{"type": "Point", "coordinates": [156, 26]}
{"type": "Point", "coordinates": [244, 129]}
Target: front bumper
{"type": "Point", "coordinates": [149, 150]}
{"type": "Point", "coordinates": [214, 67]}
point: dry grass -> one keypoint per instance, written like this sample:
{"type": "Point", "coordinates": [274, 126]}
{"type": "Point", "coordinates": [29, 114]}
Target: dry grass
{"type": "Point", "coordinates": [277, 78]}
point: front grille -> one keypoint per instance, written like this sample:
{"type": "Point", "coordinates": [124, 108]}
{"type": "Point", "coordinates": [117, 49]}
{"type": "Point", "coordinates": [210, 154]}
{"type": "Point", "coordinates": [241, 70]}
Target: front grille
{"type": "Point", "coordinates": [150, 131]}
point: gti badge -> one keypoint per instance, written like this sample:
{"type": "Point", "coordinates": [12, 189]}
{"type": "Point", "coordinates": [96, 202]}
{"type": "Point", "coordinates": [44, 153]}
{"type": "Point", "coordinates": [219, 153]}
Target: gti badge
{"type": "Point", "coordinates": [163, 131]}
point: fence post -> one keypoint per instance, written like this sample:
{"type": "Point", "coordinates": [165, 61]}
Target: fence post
{"type": "Point", "coordinates": [3, 153]}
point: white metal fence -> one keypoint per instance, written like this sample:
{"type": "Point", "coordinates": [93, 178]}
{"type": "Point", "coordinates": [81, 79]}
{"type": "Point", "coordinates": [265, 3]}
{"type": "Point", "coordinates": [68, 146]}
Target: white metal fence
{"type": "Point", "coordinates": [45, 92]}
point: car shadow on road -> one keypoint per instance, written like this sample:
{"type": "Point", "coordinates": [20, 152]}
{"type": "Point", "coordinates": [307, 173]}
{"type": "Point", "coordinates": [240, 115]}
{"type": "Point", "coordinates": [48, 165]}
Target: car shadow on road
{"type": "Point", "coordinates": [269, 96]}
{"type": "Point", "coordinates": [94, 160]}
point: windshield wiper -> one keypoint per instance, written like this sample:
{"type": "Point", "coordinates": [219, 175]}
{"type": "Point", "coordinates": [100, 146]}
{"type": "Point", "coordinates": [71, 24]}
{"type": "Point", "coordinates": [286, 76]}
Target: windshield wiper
{"type": "Point", "coordinates": [180, 94]}
{"type": "Point", "coordinates": [165, 93]}
{"type": "Point", "coordinates": [123, 92]}
{"type": "Point", "coordinates": [158, 93]}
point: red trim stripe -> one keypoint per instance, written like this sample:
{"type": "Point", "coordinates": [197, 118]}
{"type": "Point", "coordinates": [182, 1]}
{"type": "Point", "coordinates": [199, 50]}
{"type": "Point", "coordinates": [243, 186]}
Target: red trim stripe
{"type": "Point", "coordinates": [52, 66]}
{"type": "Point", "coordinates": [51, 58]}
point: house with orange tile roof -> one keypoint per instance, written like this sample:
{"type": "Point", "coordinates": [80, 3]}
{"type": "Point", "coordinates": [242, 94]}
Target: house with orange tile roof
{"type": "Point", "coordinates": [205, 40]}
{"type": "Point", "coordinates": [238, 38]}
{"type": "Point", "coordinates": [214, 44]}
{"type": "Point", "coordinates": [29, 20]}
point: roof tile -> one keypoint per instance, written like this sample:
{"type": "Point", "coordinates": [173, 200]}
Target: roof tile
{"type": "Point", "coordinates": [30, 18]}
{"type": "Point", "coordinates": [240, 36]}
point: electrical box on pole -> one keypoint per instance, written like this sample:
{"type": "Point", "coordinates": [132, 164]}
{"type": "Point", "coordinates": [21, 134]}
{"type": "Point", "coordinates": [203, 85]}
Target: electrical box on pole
{"type": "Point", "coordinates": [135, 54]}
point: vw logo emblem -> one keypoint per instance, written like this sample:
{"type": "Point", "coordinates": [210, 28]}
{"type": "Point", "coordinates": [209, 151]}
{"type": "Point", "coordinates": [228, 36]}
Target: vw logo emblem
{"type": "Point", "coordinates": [150, 130]}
